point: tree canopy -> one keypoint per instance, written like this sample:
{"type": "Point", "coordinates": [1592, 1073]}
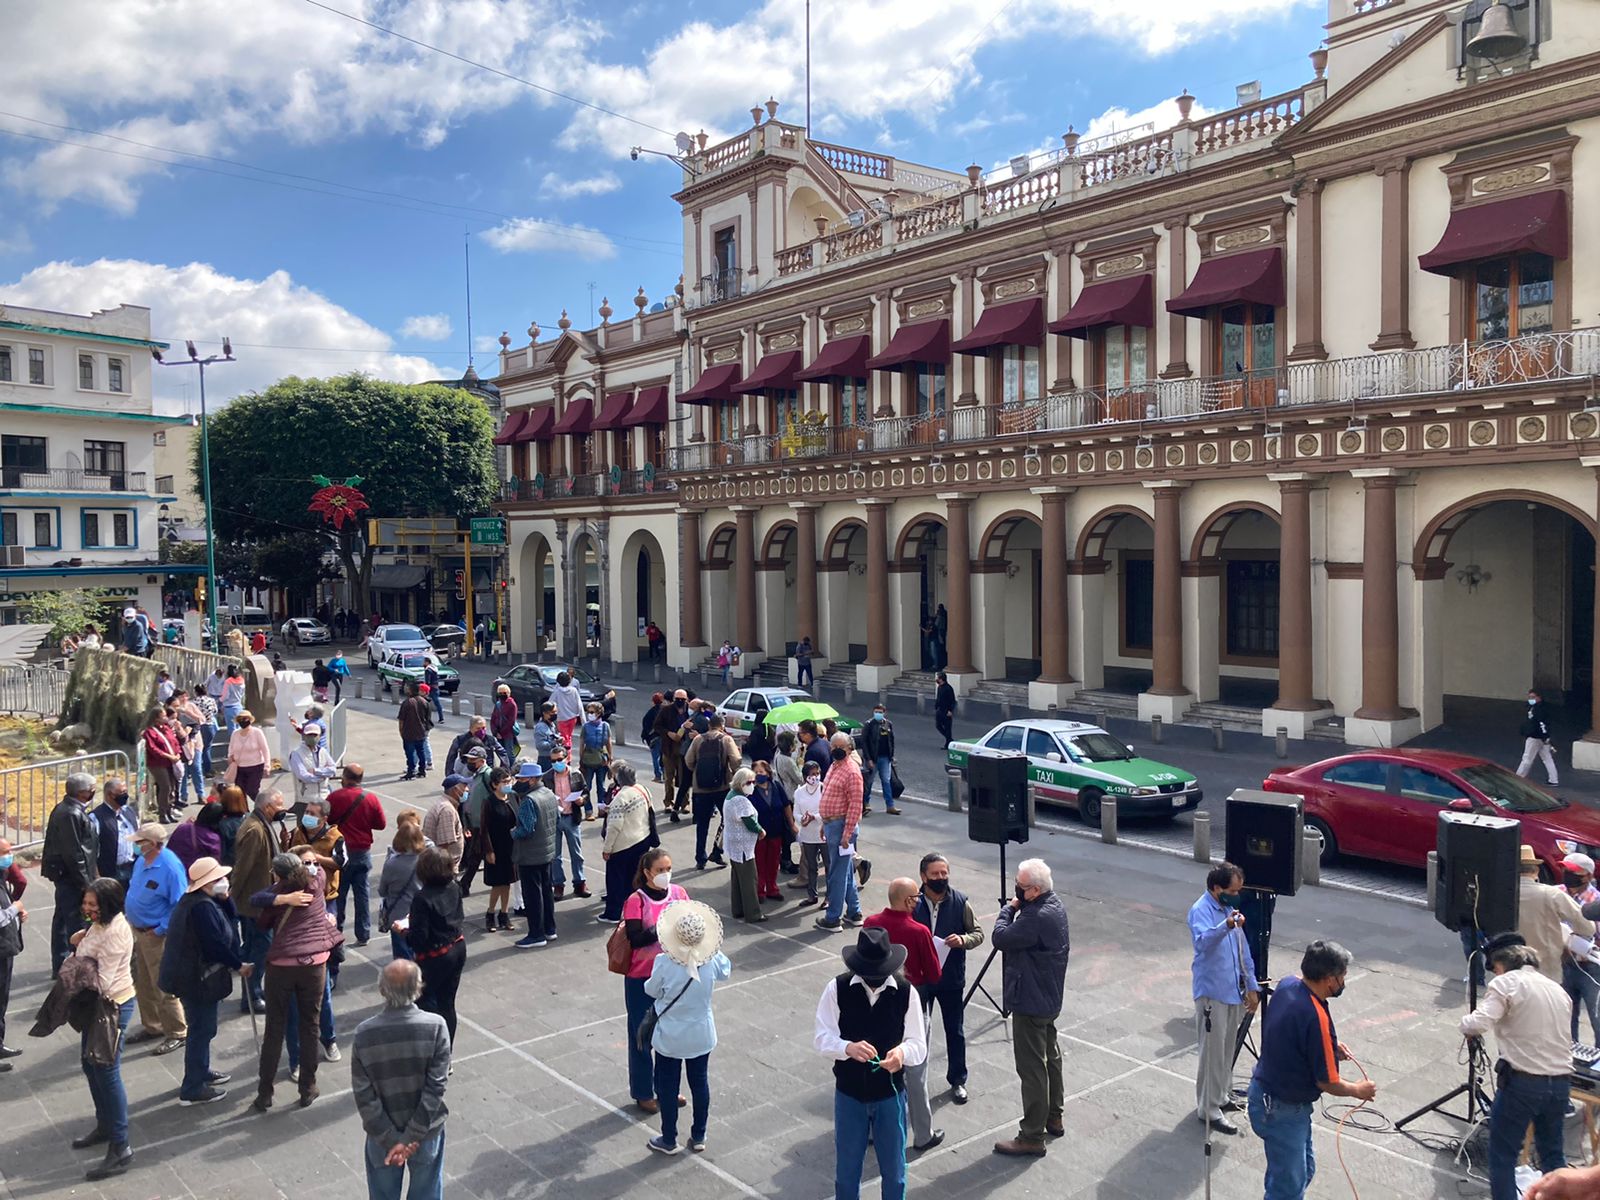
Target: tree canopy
{"type": "Point", "coordinates": [419, 449]}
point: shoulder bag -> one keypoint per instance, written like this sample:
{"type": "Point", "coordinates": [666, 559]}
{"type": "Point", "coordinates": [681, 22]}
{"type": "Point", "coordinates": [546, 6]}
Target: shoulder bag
{"type": "Point", "coordinates": [647, 1024]}
{"type": "Point", "coordinates": [619, 950]}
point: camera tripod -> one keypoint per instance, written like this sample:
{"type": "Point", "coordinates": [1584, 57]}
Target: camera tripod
{"type": "Point", "coordinates": [977, 982]}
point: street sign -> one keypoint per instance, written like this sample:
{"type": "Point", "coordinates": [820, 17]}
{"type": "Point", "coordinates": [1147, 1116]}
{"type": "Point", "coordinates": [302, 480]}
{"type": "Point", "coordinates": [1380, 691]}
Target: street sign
{"type": "Point", "coordinates": [488, 531]}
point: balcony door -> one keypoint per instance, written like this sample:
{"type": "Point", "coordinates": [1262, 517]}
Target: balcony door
{"type": "Point", "coordinates": [1245, 345]}
{"type": "Point", "coordinates": [20, 454]}
{"type": "Point", "coordinates": [850, 403]}
{"type": "Point", "coordinates": [1512, 297]}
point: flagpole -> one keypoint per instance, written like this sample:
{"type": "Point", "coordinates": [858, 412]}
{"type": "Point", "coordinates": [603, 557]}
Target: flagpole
{"type": "Point", "coordinates": [808, 68]}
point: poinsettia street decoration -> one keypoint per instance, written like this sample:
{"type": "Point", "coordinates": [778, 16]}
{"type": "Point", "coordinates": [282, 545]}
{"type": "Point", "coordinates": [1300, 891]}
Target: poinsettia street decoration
{"type": "Point", "coordinates": [337, 503]}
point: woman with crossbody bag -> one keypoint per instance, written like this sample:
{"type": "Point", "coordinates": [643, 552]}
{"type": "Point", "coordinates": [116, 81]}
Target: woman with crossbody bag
{"type": "Point", "coordinates": [684, 975]}
{"type": "Point", "coordinates": [653, 891]}
{"type": "Point", "coordinates": [398, 884]}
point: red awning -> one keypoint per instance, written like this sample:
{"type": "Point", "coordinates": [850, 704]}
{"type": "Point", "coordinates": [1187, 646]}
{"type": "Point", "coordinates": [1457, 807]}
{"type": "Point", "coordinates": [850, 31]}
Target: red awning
{"type": "Point", "coordinates": [775, 372]}
{"type": "Point", "coordinates": [650, 408]}
{"type": "Point", "coordinates": [577, 419]}
{"type": "Point", "coordinates": [1254, 277]}
{"type": "Point", "coordinates": [515, 422]}
{"type": "Point", "coordinates": [1130, 300]}
{"type": "Point", "coordinates": [1017, 324]}
{"type": "Point", "coordinates": [842, 358]}
{"type": "Point", "coordinates": [1536, 223]}
{"type": "Point", "coordinates": [924, 342]}
{"type": "Point", "coordinates": [541, 426]}
{"type": "Point", "coordinates": [611, 411]}
{"type": "Point", "coordinates": [715, 386]}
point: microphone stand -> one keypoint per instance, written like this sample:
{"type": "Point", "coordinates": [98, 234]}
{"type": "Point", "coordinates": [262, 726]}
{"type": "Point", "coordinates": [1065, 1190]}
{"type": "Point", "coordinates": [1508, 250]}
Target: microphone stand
{"type": "Point", "coordinates": [1208, 1117]}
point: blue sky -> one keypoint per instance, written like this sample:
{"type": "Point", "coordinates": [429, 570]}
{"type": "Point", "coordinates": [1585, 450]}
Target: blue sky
{"type": "Point", "coordinates": [313, 283]}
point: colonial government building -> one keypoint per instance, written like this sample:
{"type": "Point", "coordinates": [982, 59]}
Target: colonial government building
{"type": "Point", "coordinates": [1290, 408]}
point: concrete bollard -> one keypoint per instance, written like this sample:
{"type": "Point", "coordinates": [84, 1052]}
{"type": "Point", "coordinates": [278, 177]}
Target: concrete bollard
{"type": "Point", "coordinates": [636, 672]}
{"type": "Point", "coordinates": [1032, 801]}
{"type": "Point", "coordinates": [1202, 837]}
{"type": "Point", "coordinates": [1281, 742]}
{"type": "Point", "coordinates": [883, 699]}
{"type": "Point", "coordinates": [655, 671]}
{"type": "Point", "coordinates": [956, 791]}
{"type": "Point", "coordinates": [705, 677]}
{"type": "Point", "coordinates": [922, 704]}
{"type": "Point", "coordinates": [480, 705]}
{"type": "Point", "coordinates": [1311, 857]}
{"type": "Point", "coordinates": [619, 735]}
{"type": "Point", "coordinates": [394, 696]}
{"type": "Point", "coordinates": [1005, 710]}
{"type": "Point", "coordinates": [1108, 821]}
{"type": "Point", "coordinates": [455, 705]}
{"type": "Point", "coordinates": [1053, 712]}
{"type": "Point", "coordinates": [849, 694]}
{"type": "Point", "coordinates": [1433, 879]}
{"type": "Point", "coordinates": [1155, 729]}
{"type": "Point", "coordinates": [1216, 736]}
{"type": "Point", "coordinates": [361, 689]}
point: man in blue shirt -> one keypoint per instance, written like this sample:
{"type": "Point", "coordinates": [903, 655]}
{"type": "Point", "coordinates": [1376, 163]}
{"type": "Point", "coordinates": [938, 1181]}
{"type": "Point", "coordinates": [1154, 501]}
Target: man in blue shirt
{"type": "Point", "coordinates": [159, 882]}
{"type": "Point", "coordinates": [1224, 973]}
{"type": "Point", "coordinates": [1300, 1054]}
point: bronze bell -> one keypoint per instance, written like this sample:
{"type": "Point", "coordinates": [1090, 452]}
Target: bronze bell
{"type": "Point", "coordinates": [1497, 35]}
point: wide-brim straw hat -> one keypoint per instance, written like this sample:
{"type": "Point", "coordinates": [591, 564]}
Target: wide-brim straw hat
{"type": "Point", "coordinates": [203, 872]}
{"type": "Point", "coordinates": [690, 932]}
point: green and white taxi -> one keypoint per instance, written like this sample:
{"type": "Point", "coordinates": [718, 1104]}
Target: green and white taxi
{"type": "Point", "coordinates": [1078, 765]}
{"type": "Point", "coordinates": [405, 667]}
{"type": "Point", "coordinates": [746, 708]}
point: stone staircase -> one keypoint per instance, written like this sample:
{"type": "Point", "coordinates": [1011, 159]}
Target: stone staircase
{"type": "Point", "coordinates": [1001, 691]}
{"type": "Point", "coordinates": [1101, 703]}
{"type": "Point", "coordinates": [1211, 713]}
{"type": "Point", "coordinates": [773, 672]}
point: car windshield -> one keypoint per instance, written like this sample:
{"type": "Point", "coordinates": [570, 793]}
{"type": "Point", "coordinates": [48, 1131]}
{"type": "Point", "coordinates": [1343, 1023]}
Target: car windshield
{"type": "Point", "coordinates": [579, 675]}
{"type": "Point", "coordinates": [413, 660]}
{"type": "Point", "coordinates": [1507, 790]}
{"type": "Point", "coordinates": [1099, 747]}
{"type": "Point", "coordinates": [402, 633]}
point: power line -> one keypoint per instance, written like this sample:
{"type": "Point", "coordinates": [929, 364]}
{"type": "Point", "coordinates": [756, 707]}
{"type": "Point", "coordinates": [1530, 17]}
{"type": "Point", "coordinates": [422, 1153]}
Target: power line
{"type": "Point", "coordinates": [538, 87]}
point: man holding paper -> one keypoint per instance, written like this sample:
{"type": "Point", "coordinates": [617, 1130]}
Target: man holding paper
{"type": "Point", "coordinates": [949, 917]}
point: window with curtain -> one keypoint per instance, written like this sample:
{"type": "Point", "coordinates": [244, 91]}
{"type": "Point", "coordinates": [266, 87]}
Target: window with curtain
{"type": "Point", "coordinates": [850, 404]}
{"type": "Point", "coordinates": [728, 422]}
{"type": "Point", "coordinates": [784, 408]}
{"type": "Point", "coordinates": [582, 454]}
{"type": "Point", "coordinates": [927, 382]}
{"type": "Point", "coordinates": [35, 365]}
{"type": "Point", "coordinates": [1019, 374]}
{"type": "Point", "coordinates": [1246, 339]}
{"type": "Point", "coordinates": [1122, 356]}
{"type": "Point", "coordinates": [8, 529]}
{"type": "Point", "coordinates": [1512, 297]}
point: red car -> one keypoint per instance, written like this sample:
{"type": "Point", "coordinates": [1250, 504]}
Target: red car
{"type": "Point", "coordinates": [1385, 804]}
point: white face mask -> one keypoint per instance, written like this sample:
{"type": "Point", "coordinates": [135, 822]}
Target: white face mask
{"type": "Point", "coordinates": [220, 889]}
{"type": "Point", "coordinates": [748, 788]}
{"type": "Point", "coordinates": [663, 880]}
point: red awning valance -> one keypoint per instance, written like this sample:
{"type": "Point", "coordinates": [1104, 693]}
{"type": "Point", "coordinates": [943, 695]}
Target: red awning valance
{"type": "Point", "coordinates": [715, 386]}
{"type": "Point", "coordinates": [924, 342]}
{"type": "Point", "coordinates": [1018, 324]}
{"type": "Point", "coordinates": [649, 408]}
{"type": "Point", "coordinates": [577, 419]}
{"type": "Point", "coordinates": [842, 358]}
{"type": "Point", "coordinates": [612, 410]}
{"type": "Point", "coordinates": [1255, 277]}
{"type": "Point", "coordinates": [1522, 224]}
{"type": "Point", "coordinates": [775, 372]}
{"type": "Point", "coordinates": [541, 426]}
{"type": "Point", "coordinates": [1130, 300]}
{"type": "Point", "coordinates": [514, 424]}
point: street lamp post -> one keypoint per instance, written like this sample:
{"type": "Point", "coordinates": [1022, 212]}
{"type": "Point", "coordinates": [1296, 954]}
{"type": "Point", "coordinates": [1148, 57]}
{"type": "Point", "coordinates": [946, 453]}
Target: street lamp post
{"type": "Point", "coordinates": [194, 360]}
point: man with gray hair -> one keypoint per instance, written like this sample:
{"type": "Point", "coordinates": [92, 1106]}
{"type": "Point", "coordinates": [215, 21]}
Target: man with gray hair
{"type": "Point", "coordinates": [71, 850]}
{"type": "Point", "coordinates": [398, 1069]}
{"type": "Point", "coordinates": [1031, 932]}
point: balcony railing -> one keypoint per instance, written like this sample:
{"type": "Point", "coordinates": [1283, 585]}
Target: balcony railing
{"type": "Point", "coordinates": [70, 479]}
{"type": "Point", "coordinates": [164, 485]}
{"type": "Point", "coordinates": [642, 481]}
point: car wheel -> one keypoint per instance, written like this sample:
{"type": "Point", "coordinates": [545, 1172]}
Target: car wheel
{"type": "Point", "coordinates": [1330, 844]}
{"type": "Point", "coordinates": [1089, 806]}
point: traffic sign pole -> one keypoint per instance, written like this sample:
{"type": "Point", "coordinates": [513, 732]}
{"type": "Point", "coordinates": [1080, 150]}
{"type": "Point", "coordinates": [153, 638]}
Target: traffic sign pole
{"type": "Point", "coordinates": [466, 550]}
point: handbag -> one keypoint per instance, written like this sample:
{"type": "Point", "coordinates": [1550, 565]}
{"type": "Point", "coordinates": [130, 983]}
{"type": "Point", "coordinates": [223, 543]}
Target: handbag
{"type": "Point", "coordinates": [647, 1023]}
{"type": "Point", "coordinates": [896, 788]}
{"type": "Point", "coordinates": [216, 983]}
{"type": "Point", "coordinates": [619, 950]}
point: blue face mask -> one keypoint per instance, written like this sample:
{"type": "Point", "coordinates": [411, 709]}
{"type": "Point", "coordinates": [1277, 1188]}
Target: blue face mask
{"type": "Point", "coordinates": [5, 861]}
{"type": "Point", "coordinates": [310, 822]}
{"type": "Point", "coordinates": [877, 716]}
{"type": "Point", "coordinates": [560, 766]}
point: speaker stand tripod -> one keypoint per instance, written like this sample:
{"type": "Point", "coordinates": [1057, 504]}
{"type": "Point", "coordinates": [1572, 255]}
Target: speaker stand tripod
{"type": "Point", "coordinates": [977, 983]}
{"type": "Point", "coordinates": [1478, 1101]}
{"type": "Point", "coordinates": [1258, 915]}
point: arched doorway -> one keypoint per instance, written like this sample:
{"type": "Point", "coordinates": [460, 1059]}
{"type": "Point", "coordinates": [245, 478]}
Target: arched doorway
{"type": "Point", "coordinates": [1231, 586]}
{"type": "Point", "coordinates": [1506, 584]}
{"type": "Point", "coordinates": [719, 590]}
{"type": "Point", "coordinates": [918, 590]}
{"type": "Point", "coordinates": [535, 631]}
{"type": "Point", "coordinates": [1010, 603]}
{"type": "Point", "coordinates": [584, 628]}
{"type": "Point", "coordinates": [775, 594]}
{"type": "Point", "coordinates": [1115, 637]}
{"type": "Point", "coordinates": [643, 596]}
{"type": "Point", "coordinates": [842, 588]}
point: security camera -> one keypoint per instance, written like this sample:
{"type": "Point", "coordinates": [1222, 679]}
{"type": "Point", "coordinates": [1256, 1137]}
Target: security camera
{"type": "Point", "coordinates": [634, 154]}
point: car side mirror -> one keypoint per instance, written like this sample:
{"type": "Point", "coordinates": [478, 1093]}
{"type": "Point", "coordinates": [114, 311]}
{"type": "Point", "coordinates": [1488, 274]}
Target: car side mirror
{"type": "Point", "coordinates": [1461, 805]}
{"type": "Point", "coordinates": [1053, 756]}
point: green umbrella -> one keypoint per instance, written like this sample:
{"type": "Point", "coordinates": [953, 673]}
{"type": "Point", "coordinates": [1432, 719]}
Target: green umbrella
{"type": "Point", "coordinates": [800, 710]}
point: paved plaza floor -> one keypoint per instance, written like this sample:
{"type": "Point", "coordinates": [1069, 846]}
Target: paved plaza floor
{"type": "Point", "coordinates": [539, 1105]}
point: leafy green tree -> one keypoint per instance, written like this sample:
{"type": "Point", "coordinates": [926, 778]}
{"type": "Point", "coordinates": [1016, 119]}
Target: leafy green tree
{"type": "Point", "coordinates": [67, 610]}
{"type": "Point", "coordinates": [419, 450]}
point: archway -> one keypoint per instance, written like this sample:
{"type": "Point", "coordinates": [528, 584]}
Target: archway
{"type": "Point", "coordinates": [584, 628]}
{"type": "Point", "coordinates": [806, 204]}
{"type": "Point", "coordinates": [1115, 565]}
{"type": "Point", "coordinates": [1010, 605]}
{"type": "Point", "coordinates": [775, 595]}
{"type": "Point", "coordinates": [1231, 586]}
{"type": "Point", "coordinates": [719, 590]}
{"type": "Point", "coordinates": [842, 584]}
{"type": "Point", "coordinates": [643, 596]}
{"type": "Point", "coordinates": [535, 596]}
{"type": "Point", "coordinates": [918, 590]}
{"type": "Point", "coordinates": [1506, 586]}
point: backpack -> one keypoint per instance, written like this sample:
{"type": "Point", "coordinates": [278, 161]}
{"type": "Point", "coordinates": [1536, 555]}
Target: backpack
{"type": "Point", "coordinates": [594, 735]}
{"type": "Point", "coordinates": [710, 771]}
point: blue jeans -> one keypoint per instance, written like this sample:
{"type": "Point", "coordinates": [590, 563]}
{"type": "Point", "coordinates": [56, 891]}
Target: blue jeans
{"type": "Point", "coordinates": [419, 755]}
{"type": "Point", "coordinates": [1582, 981]}
{"type": "Point", "coordinates": [668, 1070]}
{"type": "Point", "coordinates": [356, 878]}
{"type": "Point", "coordinates": [208, 731]}
{"type": "Point", "coordinates": [326, 1033]}
{"type": "Point", "coordinates": [426, 1167]}
{"type": "Point", "coordinates": [594, 786]}
{"type": "Point", "coordinates": [398, 948]}
{"type": "Point", "coordinates": [254, 944]}
{"type": "Point", "coordinates": [853, 1121]}
{"type": "Point", "coordinates": [193, 772]}
{"type": "Point", "coordinates": [1521, 1099]}
{"type": "Point", "coordinates": [105, 1085]}
{"type": "Point", "coordinates": [655, 758]}
{"type": "Point", "coordinates": [882, 771]}
{"type": "Point", "coordinates": [1286, 1131]}
{"type": "Point", "coordinates": [804, 676]}
{"type": "Point", "coordinates": [438, 705]}
{"type": "Point", "coordinates": [842, 897]}
{"type": "Point", "coordinates": [641, 1070]}
{"type": "Point", "coordinates": [202, 1017]}
{"type": "Point", "coordinates": [569, 829]}
{"type": "Point", "coordinates": [727, 676]}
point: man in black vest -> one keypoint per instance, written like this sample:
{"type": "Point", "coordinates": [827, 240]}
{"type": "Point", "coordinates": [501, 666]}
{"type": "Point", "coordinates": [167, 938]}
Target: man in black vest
{"type": "Point", "coordinates": [949, 917]}
{"type": "Point", "coordinates": [867, 1023]}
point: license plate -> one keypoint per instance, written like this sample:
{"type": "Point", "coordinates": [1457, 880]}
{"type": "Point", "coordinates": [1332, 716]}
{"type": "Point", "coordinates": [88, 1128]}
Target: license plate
{"type": "Point", "coordinates": [1177, 801]}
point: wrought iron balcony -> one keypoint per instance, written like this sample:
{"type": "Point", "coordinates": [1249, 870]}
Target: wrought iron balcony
{"type": "Point", "coordinates": [70, 479]}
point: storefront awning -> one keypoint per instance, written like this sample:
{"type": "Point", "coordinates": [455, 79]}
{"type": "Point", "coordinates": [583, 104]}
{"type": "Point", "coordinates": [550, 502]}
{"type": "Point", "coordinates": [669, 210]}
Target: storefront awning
{"type": "Point", "coordinates": [577, 419]}
{"type": "Point", "coordinates": [1522, 224]}
{"type": "Point", "coordinates": [715, 386]}
{"type": "Point", "coordinates": [842, 358]}
{"type": "Point", "coordinates": [613, 409]}
{"type": "Point", "coordinates": [774, 373]}
{"type": "Point", "coordinates": [1254, 277]}
{"type": "Point", "coordinates": [398, 577]}
{"type": "Point", "coordinates": [1017, 324]}
{"type": "Point", "coordinates": [514, 424]}
{"type": "Point", "coordinates": [1130, 300]}
{"type": "Point", "coordinates": [541, 426]}
{"type": "Point", "coordinates": [648, 408]}
{"type": "Point", "coordinates": [924, 342]}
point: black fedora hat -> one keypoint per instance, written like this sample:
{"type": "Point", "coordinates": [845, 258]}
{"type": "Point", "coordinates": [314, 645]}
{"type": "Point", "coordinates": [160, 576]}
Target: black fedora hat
{"type": "Point", "coordinates": [874, 955]}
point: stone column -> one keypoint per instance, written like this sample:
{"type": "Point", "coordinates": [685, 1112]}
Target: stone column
{"type": "Point", "coordinates": [691, 632]}
{"type": "Point", "coordinates": [1394, 267]}
{"type": "Point", "coordinates": [1380, 721]}
{"type": "Point", "coordinates": [744, 569]}
{"type": "Point", "coordinates": [1054, 685]}
{"type": "Point", "coordinates": [1296, 705]}
{"type": "Point", "coordinates": [805, 576]}
{"type": "Point", "coordinates": [879, 669]}
{"type": "Point", "coordinates": [1586, 751]}
{"type": "Point", "coordinates": [1308, 274]}
{"type": "Point", "coordinates": [1177, 280]}
{"type": "Point", "coordinates": [1167, 697]}
{"type": "Point", "coordinates": [958, 557]}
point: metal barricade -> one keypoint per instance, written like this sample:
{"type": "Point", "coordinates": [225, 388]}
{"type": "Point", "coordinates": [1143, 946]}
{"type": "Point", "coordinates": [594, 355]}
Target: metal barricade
{"type": "Point", "coordinates": [28, 793]}
{"type": "Point", "coordinates": [31, 689]}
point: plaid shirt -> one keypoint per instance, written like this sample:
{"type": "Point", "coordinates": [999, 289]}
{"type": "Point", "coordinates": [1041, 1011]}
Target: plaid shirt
{"type": "Point", "coordinates": [841, 797]}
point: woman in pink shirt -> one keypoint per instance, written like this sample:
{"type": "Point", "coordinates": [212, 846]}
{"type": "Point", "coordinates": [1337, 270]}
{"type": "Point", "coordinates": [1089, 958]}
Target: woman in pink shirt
{"type": "Point", "coordinates": [249, 755]}
{"type": "Point", "coordinates": [653, 891]}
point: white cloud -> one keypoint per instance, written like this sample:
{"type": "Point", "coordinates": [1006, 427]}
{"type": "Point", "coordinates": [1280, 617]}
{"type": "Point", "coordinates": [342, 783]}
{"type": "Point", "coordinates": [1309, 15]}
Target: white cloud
{"type": "Point", "coordinates": [277, 327]}
{"type": "Point", "coordinates": [529, 235]}
{"type": "Point", "coordinates": [560, 187]}
{"type": "Point", "coordinates": [1163, 115]}
{"type": "Point", "coordinates": [486, 343]}
{"type": "Point", "coordinates": [428, 327]}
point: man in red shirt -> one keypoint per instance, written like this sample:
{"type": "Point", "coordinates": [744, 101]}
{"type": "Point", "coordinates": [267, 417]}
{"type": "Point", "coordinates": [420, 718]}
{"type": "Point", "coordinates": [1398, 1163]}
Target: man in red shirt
{"type": "Point", "coordinates": [922, 972]}
{"type": "Point", "coordinates": [357, 813]}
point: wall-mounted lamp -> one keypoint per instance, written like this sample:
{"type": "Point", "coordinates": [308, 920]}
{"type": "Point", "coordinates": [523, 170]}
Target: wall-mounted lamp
{"type": "Point", "coordinates": [1471, 575]}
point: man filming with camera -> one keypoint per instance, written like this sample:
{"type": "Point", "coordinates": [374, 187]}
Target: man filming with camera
{"type": "Point", "coordinates": [1531, 1017]}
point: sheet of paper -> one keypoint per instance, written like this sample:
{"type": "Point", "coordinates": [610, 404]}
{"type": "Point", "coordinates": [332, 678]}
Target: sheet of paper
{"type": "Point", "coordinates": [942, 950]}
{"type": "Point", "coordinates": [847, 851]}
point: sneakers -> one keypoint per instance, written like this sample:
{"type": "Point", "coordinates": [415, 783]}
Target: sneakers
{"type": "Point", "coordinates": [529, 943]}
{"type": "Point", "coordinates": [217, 1078]}
{"type": "Point", "coordinates": [330, 1052]}
{"type": "Point", "coordinates": [209, 1096]}
{"type": "Point", "coordinates": [294, 1074]}
{"type": "Point", "coordinates": [851, 920]}
{"type": "Point", "coordinates": [830, 926]}
{"type": "Point", "coordinates": [697, 1145]}
{"type": "Point", "coordinates": [661, 1146]}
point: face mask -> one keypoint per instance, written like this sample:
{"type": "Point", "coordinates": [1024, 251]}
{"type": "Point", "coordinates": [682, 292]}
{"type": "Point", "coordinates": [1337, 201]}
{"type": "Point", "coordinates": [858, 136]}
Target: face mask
{"type": "Point", "coordinates": [560, 766]}
{"type": "Point", "coordinates": [1021, 894]}
{"type": "Point", "coordinates": [1228, 899]}
{"type": "Point", "coordinates": [220, 889]}
{"type": "Point", "coordinates": [874, 981]}
{"type": "Point", "coordinates": [663, 880]}
{"type": "Point", "coordinates": [937, 886]}
{"type": "Point", "coordinates": [763, 778]}
{"type": "Point", "coordinates": [5, 861]}
{"type": "Point", "coordinates": [1531, 702]}
{"type": "Point", "coordinates": [310, 822]}
{"type": "Point", "coordinates": [813, 781]}
{"type": "Point", "coordinates": [1573, 879]}
{"type": "Point", "coordinates": [877, 716]}
{"type": "Point", "coordinates": [1336, 993]}
{"type": "Point", "coordinates": [748, 788]}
